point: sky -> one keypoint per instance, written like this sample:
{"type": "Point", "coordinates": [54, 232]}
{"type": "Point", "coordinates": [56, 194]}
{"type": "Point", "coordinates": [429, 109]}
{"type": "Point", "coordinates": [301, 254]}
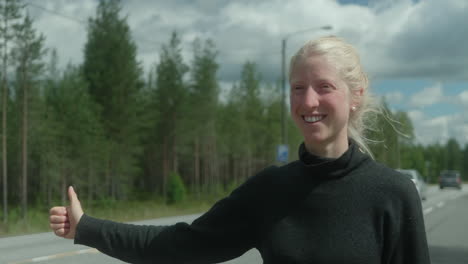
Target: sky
{"type": "Point", "coordinates": [415, 51]}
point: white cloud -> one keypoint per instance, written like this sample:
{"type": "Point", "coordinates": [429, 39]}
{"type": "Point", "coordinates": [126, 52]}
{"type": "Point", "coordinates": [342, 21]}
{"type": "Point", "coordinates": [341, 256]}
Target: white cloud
{"type": "Point", "coordinates": [429, 130]}
{"type": "Point", "coordinates": [416, 115]}
{"type": "Point", "coordinates": [224, 90]}
{"type": "Point", "coordinates": [396, 39]}
{"type": "Point", "coordinates": [66, 30]}
{"type": "Point", "coordinates": [428, 96]}
{"type": "Point", "coordinates": [438, 129]}
{"type": "Point", "coordinates": [463, 97]}
{"type": "Point", "coordinates": [394, 97]}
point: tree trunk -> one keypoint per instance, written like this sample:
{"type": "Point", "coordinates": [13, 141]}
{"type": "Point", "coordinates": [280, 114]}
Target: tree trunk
{"type": "Point", "coordinates": [215, 162]}
{"type": "Point", "coordinates": [49, 192]}
{"type": "Point", "coordinates": [4, 122]}
{"type": "Point", "coordinates": [4, 130]}
{"type": "Point", "coordinates": [108, 174]}
{"type": "Point", "coordinates": [205, 174]}
{"type": "Point", "coordinates": [196, 182]}
{"type": "Point", "coordinates": [24, 197]}
{"type": "Point", "coordinates": [213, 156]}
{"type": "Point", "coordinates": [64, 184]}
{"type": "Point", "coordinates": [235, 168]}
{"type": "Point", "coordinates": [165, 167]}
{"type": "Point", "coordinates": [175, 165]}
{"type": "Point", "coordinates": [210, 158]}
{"type": "Point", "coordinates": [113, 175]}
{"type": "Point", "coordinates": [4, 146]}
{"type": "Point", "coordinates": [249, 163]}
{"type": "Point", "coordinates": [175, 159]}
{"type": "Point", "coordinates": [90, 184]}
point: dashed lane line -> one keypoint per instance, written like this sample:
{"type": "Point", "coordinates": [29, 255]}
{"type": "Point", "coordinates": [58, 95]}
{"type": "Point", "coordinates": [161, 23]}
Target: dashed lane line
{"type": "Point", "coordinates": [442, 203]}
{"type": "Point", "coordinates": [56, 256]}
{"type": "Point", "coordinates": [428, 210]}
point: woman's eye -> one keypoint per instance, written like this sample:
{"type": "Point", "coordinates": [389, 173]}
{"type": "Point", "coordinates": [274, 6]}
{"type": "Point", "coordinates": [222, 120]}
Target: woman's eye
{"type": "Point", "coordinates": [297, 87]}
{"type": "Point", "coordinates": [326, 86]}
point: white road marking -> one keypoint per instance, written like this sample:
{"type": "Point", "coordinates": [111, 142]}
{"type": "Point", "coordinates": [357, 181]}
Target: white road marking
{"type": "Point", "coordinates": [442, 203]}
{"type": "Point", "coordinates": [60, 255]}
{"type": "Point", "coordinates": [428, 210]}
{"type": "Point", "coordinates": [85, 251]}
{"type": "Point", "coordinates": [39, 259]}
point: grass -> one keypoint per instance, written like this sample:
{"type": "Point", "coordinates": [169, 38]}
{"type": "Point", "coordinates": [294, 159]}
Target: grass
{"type": "Point", "coordinates": [121, 211]}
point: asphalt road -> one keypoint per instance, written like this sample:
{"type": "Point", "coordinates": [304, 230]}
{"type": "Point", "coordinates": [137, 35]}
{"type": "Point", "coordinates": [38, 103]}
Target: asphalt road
{"type": "Point", "coordinates": [445, 213]}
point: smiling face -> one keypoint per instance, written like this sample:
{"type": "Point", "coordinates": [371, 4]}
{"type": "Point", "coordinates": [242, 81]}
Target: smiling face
{"type": "Point", "coordinates": [320, 105]}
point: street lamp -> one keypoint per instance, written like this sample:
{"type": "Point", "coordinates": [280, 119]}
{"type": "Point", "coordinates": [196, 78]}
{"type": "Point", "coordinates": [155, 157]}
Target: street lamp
{"type": "Point", "coordinates": [283, 77]}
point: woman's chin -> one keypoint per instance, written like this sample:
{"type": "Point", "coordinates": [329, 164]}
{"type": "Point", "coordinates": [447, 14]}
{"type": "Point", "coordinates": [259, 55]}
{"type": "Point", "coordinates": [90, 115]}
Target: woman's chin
{"type": "Point", "coordinates": [317, 139]}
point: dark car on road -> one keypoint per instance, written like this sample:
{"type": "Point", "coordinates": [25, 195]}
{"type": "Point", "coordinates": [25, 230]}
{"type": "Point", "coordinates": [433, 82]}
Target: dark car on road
{"type": "Point", "coordinates": [450, 178]}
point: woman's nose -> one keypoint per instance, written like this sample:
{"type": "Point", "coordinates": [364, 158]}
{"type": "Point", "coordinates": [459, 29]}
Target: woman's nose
{"type": "Point", "coordinates": [311, 97]}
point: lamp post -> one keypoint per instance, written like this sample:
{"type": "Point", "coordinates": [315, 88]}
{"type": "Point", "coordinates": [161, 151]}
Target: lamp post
{"type": "Point", "coordinates": [283, 77]}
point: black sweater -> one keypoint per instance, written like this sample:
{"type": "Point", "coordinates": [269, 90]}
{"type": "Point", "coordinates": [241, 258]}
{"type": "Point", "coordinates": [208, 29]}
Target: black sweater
{"type": "Point", "coordinates": [314, 210]}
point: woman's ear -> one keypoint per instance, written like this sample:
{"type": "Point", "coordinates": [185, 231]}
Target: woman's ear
{"type": "Point", "coordinates": [359, 92]}
{"type": "Point", "coordinates": [356, 97]}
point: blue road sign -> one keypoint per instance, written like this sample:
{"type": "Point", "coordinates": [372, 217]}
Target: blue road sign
{"type": "Point", "coordinates": [283, 153]}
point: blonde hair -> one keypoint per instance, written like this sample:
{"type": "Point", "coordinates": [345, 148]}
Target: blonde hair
{"type": "Point", "coordinates": [346, 60]}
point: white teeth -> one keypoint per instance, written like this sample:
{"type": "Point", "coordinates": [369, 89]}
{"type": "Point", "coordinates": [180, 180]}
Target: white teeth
{"type": "Point", "coordinates": [313, 119]}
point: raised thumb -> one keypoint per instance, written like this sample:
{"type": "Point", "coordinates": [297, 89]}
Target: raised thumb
{"type": "Point", "coordinates": [72, 196]}
{"type": "Point", "coordinates": [75, 204]}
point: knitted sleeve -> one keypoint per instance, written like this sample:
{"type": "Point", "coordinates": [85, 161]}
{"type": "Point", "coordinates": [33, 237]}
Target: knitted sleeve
{"type": "Point", "coordinates": [225, 232]}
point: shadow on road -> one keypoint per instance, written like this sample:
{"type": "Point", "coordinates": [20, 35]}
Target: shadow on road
{"type": "Point", "coordinates": [448, 255]}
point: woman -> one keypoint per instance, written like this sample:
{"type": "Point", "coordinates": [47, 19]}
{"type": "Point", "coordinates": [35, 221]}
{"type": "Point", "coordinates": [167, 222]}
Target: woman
{"type": "Point", "coordinates": [333, 205]}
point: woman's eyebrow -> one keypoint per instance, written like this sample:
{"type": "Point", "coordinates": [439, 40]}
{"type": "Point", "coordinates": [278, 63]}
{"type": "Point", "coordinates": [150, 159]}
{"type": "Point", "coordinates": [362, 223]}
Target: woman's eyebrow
{"type": "Point", "coordinates": [325, 80]}
{"type": "Point", "coordinates": [321, 78]}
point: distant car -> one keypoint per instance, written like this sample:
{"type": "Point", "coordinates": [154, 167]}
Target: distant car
{"type": "Point", "coordinates": [418, 181]}
{"type": "Point", "coordinates": [450, 178]}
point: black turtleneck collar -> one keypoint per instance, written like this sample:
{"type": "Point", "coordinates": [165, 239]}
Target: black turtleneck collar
{"type": "Point", "coordinates": [332, 167]}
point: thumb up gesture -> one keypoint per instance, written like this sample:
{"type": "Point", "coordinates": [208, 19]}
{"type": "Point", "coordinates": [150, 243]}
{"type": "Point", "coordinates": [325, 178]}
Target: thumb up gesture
{"type": "Point", "coordinates": [63, 220]}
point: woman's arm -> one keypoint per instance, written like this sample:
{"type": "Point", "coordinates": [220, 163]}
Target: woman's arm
{"type": "Point", "coordinates": [223, 233]}
{"type": "Point", "coordinates": [226, 231]}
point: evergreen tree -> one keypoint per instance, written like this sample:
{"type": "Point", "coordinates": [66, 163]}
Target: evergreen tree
{"type": "Point", "coordinates": [176, 190]}
{"type": "Point", "coordinates": [403, 129]}
{"type": "Point", "coordinates": [246, 99]}
{"type": "Point", "coordinates": [28, 53]}
{"type": "Point", "coordinates": [72, 139]}
{"type": "Point", "coordinates": [229, 126]}
{"type": "Point", "coordinates": [412, 157]}
{"type": "Point", "coordinates": [271, 125]}
{"type": "Point", "coordinates": [202, 106]}
{"type": "Point", "coordinates": [150, 180]}
{"type": "Point", "coordinates": [454, 155]}
{"type": "Point", "coordinates": [49, 131]}
{"type": "Point", "coordinates": [43, 131]}
{"type": "Point", "coordinates": [465, 163]}
{"type": "Point", "coordinates": [434, 154]}
{"type": "Point", "coordinates": [10, 14]}
{"type": "Point", "coordinates": [113, 74]}
{"type": "Point", "coordinates": [170, 97]}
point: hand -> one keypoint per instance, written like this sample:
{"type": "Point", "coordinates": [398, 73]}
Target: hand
{"type": "Point", "coordinates": [63, 220]}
